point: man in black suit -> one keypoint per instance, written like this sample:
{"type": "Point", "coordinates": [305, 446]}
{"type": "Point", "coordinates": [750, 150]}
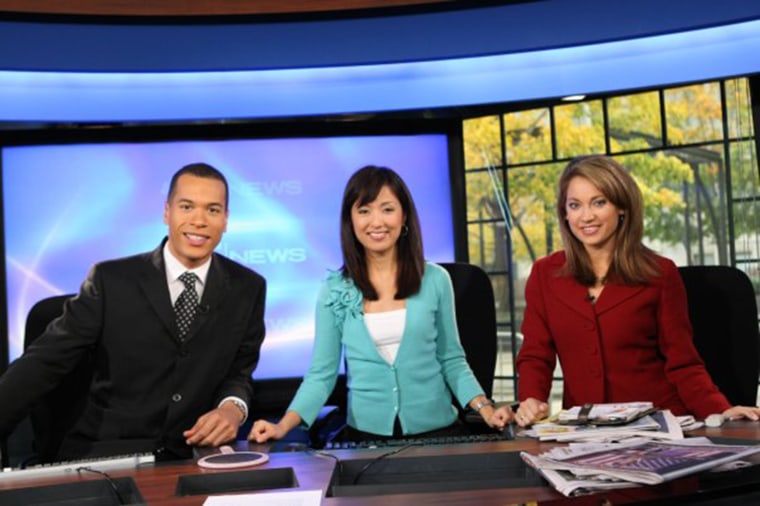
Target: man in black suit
{"type": "Point", "coordinates": [156, 386]}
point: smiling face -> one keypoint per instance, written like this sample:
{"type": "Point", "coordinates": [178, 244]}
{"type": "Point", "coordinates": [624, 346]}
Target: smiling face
{"type": "Point", "coordinates": [197, 217]}
{"type": "Point", "coordinates": [377, 225]}
{"type": "Point", "coordinates": [592, 218]}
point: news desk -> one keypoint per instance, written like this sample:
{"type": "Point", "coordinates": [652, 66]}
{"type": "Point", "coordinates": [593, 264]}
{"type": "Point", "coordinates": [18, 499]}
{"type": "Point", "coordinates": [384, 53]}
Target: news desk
{"type": "Point", "coordinates": [459, 474]}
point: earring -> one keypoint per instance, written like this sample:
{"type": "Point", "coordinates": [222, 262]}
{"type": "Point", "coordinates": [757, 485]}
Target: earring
{"type": "Point", "coordinates": [621, 217]}
{"type": "Point", "coordinates": [405, 230]}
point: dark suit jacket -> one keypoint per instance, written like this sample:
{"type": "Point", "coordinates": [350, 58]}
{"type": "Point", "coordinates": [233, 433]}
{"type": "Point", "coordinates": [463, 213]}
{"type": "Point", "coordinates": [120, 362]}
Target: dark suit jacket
{"type": "Point", "coordinates": [634, 344]}
{"type": "Point", "coordinates": [148, 387]}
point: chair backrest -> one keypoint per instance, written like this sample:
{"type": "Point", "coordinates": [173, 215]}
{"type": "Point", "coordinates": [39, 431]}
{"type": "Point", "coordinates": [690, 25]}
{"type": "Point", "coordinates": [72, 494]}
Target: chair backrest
{"type": "Point", "coordinates": [54, 415]}
{"type": "Point", "coordinates": [723, 314]}
{"type": "Point", "coordinates": [476, 319]}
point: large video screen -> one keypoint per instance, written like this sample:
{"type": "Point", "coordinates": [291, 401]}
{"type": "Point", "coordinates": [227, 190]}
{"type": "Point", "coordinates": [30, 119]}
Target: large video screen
{"type": "Point", "coordinates": [68, 206]}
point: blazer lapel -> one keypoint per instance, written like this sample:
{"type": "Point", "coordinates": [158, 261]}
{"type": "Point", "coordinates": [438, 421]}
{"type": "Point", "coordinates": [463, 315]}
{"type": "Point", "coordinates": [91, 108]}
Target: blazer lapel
{"type": "Point", "coordinates": [614, 295]}
{"type": "Point", "coordinates": [573, 295]}
{"type": "Point", "coordinates": [153, 282]}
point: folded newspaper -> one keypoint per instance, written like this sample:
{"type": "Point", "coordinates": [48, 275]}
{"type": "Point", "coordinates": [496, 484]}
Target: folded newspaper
{"type": "Point", "coordinates": [657, 425]}
{"type": "Point", "coordinates": [605, 413]}
{"type": "Point", "coordinates": [586, 468]}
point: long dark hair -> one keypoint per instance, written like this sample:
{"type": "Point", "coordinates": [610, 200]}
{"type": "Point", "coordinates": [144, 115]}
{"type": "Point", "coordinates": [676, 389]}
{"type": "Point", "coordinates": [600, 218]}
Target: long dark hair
{"type": "Point", "coordinates": [632, 262]}
{"type": "Point", "coordinates": [362, 188]}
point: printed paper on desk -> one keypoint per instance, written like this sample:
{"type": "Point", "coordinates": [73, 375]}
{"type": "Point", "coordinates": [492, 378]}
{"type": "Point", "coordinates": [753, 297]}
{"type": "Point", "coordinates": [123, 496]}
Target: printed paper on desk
{"type": "Point", "coordinates": [294, 498]}
{"type": "Point", "coordinates": [605, 413]}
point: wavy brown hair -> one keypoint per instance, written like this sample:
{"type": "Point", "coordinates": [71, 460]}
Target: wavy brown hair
{"type": "Point", "coordinates": [362, 188]}
{"type": "Point", "coordinates": [632, 262]}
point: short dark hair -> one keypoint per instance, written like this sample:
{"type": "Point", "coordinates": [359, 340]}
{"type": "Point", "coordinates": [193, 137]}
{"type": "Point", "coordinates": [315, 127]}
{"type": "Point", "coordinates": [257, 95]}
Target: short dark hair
{"type": "Point", "coordinates": [362, 188]}
{"type": "Point", "coordinates": [199, 170]}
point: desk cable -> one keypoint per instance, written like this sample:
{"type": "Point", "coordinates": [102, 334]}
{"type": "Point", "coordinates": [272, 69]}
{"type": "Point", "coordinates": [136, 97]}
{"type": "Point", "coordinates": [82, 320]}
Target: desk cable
{"type": "Point", "coordinates": [379, 458]}
{"type": "Point", "coordinates": [108, 479]}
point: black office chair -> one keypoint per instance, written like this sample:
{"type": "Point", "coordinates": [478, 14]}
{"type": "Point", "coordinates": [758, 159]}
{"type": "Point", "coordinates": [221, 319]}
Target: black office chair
{"type": "Point", "coordinates": [476, 319]}
{"type": "Point", "coordinates": [54, 415]}
{"type": "Point", "coordinates": [723, 313]}
{"type": "Point", "coordinates": [476, 322]}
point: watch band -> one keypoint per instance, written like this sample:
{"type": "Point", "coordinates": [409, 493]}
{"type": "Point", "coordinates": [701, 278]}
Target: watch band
{"type": "Point", "coordinates": [481, 404]}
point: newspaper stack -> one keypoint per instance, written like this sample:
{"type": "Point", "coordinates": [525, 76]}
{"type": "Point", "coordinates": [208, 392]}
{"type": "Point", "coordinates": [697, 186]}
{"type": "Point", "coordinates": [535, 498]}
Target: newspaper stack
{"type": "Point", "coordinates": [656, 425]}
{"type": "Point", "coordinates": [582, 468]}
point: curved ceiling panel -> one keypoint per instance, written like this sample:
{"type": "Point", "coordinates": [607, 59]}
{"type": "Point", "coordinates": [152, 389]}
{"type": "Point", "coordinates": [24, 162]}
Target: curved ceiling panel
{"type": "Point", "coordinates": [649, 61]}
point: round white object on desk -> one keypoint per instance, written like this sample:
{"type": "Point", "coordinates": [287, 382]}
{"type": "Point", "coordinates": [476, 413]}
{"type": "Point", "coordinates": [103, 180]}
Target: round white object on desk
{"type": "Point", "coordinates": [714, 420]}
{"type": "Point", "coordinates": [230, 459]}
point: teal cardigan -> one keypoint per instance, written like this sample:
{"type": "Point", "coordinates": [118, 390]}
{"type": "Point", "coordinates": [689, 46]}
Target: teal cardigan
{"type": "Point", "coordinates": [429, 366]}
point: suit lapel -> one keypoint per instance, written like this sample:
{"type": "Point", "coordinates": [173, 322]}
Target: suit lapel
{"type": "Point", "coordinates": [153, 283]}
{"type": "Point", "coordinates": [573, 295]}
{"type": "Point", "coordinates": [613, 295]}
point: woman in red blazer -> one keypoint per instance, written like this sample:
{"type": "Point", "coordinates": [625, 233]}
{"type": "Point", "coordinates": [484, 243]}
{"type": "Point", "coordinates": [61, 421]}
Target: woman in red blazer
{"type": "Point", "coordinates": [613, 312]}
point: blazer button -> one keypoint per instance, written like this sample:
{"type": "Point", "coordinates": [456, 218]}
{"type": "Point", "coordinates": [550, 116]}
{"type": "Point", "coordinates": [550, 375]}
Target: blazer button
{"type": "Point", "coordinates": [176, 397]}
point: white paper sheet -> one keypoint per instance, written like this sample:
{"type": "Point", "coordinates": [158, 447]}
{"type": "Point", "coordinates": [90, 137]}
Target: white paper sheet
{"type": "Point", "coordinates": [292, 498]}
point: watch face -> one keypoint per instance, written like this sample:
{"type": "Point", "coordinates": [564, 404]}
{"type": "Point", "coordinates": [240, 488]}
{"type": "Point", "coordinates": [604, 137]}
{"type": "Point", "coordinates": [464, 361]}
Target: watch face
{"type": "Point", "coordinates": [231, 460]}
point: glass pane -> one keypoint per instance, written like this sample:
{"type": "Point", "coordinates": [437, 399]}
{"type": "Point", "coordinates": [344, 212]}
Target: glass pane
{"type": "Point", "coordinates": [739, 108]}
{"type": "Point", "coordinates": [747, 231]}
{"type": "Point", "coordinates": [635, 122]}
{"type": "Point", "coordinates": [501, 297]}
{"type": "Point", "coordinates": [532, 198]}
{"type": "Point", "coordinates": [580, 129]}
{"type": "Point", "coordinates": [482, 142]}
{"type": "Point", "coordinates": [486, 245]}
{"type": "Point", "coordinates": [482, 195]}
{"type": "Point", "coordinates": [693, 114]}
{"type": "Point", "coordinates": [685, 203]}
{"type": "Point", "coordinates": [745, 177]}
{"type": "Point", "coordinates": [663, 179]}
{"type": "Point", "coordinates": [752, 269]}
{"type": "Point", "coordinates": [528, 136]}
{"type": "Point", "coordinates": [503, 388]}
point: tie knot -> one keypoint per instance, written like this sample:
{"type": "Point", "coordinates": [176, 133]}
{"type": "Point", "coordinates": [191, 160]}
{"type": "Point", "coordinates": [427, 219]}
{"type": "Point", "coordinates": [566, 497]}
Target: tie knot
{"type": "Point", "coordinates": [188, 279]}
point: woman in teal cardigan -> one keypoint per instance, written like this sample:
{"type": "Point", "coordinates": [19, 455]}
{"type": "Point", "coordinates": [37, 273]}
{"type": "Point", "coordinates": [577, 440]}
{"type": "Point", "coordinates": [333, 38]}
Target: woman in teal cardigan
{"type": "Point", "coordinates": [392, 314]}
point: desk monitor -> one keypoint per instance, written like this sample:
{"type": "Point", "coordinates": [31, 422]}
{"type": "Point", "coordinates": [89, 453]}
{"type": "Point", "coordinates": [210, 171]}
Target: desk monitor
{"type": "Point", "coordinates": [91, 196]}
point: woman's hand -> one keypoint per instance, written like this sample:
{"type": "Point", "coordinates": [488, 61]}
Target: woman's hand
{"type": "Point", "coordinates": [262, 431]}
{"type": "Point", "coordinates": [530, 411]}
{"type": "Point", "coordinates": [497, 418]}
{"type": "Point", "coordinates": [737, 412]}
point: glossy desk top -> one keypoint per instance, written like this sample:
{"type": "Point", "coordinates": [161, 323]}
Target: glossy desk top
{"type": "Point", "coordinates": [157, 483]}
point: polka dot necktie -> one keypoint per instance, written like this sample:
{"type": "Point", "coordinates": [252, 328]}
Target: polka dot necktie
{"type": "Point", "coordinates": [187, 303]}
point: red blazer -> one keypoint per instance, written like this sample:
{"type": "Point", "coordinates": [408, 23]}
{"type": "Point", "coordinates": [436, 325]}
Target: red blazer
{"type": "Point", "coordinates": [634, 344]}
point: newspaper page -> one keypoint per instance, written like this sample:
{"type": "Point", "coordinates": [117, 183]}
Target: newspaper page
{"type": "Point", "coordinates": [605, 413]}
{"type": "Point", "coordinates": [658, 425]}
{"type": "Point", "coordinates": [578, 470]}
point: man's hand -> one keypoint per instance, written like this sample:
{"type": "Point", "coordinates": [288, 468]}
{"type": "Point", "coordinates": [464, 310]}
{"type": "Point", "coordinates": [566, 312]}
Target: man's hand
{"type": "Point", "coordinates": [216, 427]}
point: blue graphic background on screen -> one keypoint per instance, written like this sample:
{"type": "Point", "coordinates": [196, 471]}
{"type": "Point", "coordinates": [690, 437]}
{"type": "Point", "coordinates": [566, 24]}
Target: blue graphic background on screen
{"type": "Point", "coordinates": [69, 206]}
